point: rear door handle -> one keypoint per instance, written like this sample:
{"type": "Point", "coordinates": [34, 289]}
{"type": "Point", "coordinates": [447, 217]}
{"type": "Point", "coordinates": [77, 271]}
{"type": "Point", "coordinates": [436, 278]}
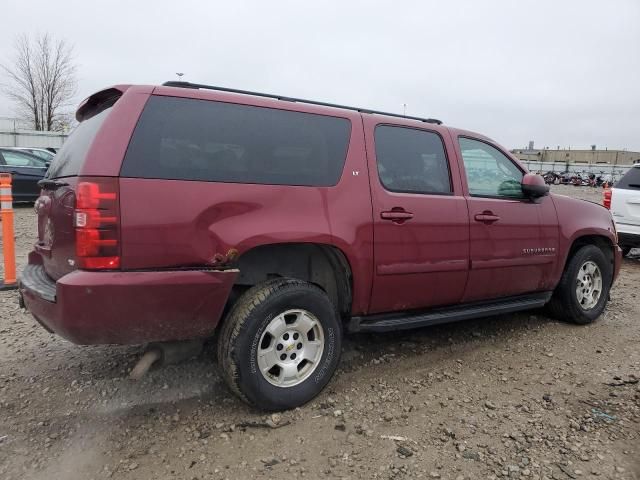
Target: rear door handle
{"type": "Point", "coordinates": [396, 216]}
{"type": "Point", "coordinates": [486, 217]}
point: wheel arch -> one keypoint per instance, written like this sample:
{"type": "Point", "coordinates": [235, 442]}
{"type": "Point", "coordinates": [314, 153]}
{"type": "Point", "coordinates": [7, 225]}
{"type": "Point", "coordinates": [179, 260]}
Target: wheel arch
{"type": "Point", "coordinates": [326, 266]}
{"type": "Point", "coordinates": [563, 304]}
{"type": "Point", "coordinates": [603, 242]}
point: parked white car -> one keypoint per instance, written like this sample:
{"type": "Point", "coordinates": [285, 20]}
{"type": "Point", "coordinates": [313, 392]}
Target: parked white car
{"type": "Point", "coordinates": [624, 201]}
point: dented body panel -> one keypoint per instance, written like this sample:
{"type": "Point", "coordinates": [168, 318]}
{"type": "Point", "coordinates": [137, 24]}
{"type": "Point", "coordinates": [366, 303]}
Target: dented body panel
{"type": "Point", "coordinates": [214, 224]}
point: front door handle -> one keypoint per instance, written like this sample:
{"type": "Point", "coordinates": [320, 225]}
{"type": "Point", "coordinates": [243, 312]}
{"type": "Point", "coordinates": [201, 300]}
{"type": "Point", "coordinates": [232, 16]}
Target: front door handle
{"type": "Point", "coordinates": [396, 216]}
{"type": "Point", "coordinates": [486, 217]}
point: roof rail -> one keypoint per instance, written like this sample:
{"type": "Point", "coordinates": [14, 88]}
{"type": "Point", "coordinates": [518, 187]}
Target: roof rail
{"type": "Point", "coordinates": [179, 84]}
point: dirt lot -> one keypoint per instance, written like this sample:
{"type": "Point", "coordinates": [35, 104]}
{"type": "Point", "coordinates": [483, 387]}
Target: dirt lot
{"type": "Point", "coordinates": [516, 396]}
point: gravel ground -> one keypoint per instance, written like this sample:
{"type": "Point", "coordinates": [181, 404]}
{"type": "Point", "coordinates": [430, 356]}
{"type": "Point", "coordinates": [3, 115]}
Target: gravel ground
{"type": "Point", "coordinates": [515, 396]}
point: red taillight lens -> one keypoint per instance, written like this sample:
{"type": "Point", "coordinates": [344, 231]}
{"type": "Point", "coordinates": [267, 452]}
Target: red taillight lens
{"type": "Point", "coordinates": [97, 222]}
{"type": "Point", "coordinates": [89, 194]}
{"type": "Point", "coordinates": [606, 198]}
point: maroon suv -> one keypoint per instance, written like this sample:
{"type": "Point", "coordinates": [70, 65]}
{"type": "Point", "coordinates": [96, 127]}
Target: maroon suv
{"type": "Point", "coordinates": [186, 211]}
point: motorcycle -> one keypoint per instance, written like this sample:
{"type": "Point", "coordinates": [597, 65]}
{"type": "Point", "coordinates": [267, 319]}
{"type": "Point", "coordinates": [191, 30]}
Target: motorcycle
{"type": "Point", "coordinates": [551, 178]}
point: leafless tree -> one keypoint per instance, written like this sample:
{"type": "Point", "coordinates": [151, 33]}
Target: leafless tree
{"type": "Point", "coordinates": [41, 80]}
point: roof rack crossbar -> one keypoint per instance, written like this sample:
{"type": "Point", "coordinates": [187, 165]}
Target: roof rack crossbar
{"type": "Point", "coordinates": [180, 84]}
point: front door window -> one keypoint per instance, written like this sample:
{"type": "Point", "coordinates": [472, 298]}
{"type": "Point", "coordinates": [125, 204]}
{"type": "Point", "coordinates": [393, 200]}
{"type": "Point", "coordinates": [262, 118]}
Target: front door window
{"type": "Point", "coordinates": [490, 173]}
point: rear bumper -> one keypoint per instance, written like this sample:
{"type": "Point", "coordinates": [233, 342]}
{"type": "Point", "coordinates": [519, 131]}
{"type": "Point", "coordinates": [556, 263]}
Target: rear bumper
{"type": "Point", "coordinates": [628, 234]}
{"type": "Point", "coordinates": [127, 307]}
{"type": "Point", "coordinates": [629, 239]}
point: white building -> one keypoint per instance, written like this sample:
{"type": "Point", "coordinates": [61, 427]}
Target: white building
{"type": "Point", "coordinates": [15, 133]}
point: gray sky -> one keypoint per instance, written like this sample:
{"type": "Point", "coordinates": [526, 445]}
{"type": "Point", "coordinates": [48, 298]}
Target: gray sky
{"type": "Point", "coordinates": [557, 72]}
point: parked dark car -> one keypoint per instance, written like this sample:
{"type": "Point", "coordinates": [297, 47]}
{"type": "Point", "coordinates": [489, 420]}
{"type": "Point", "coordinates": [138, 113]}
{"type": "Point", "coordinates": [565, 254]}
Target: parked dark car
{"type": "Point", "coordinates": [26, 170]}
{"type": "Point", "coordinates": [273, 224]}
{"type": "Point", "coordinates": [44, 153]}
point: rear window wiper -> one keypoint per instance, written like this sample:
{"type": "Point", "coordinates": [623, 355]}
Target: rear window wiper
{"type": "Point", "coordinates": [51, 184]}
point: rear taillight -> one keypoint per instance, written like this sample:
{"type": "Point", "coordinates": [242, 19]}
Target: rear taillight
{"type": "Point", "coordinates": [606, 198]}
{"type": "Point", "coordinates": [97, 222]}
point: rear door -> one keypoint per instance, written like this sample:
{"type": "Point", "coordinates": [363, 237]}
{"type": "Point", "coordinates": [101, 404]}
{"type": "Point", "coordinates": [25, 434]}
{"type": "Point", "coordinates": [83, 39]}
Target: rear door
{"type": "Point", "coordinates": [26, 170]}
{"type": "Point", "coordinates": [625, 202]}
{"type": "Point", "coordinates": [420, 219]}
{"type": "Point", "coordinates": [513, 240]}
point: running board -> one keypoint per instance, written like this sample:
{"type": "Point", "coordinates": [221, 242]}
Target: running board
{"type": "Point", "coordinates": [385, 322]}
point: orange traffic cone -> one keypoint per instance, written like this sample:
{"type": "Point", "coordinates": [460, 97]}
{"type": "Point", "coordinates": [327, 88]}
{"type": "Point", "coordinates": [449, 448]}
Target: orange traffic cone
{"type": "Point", "coordinates": [9, 281]}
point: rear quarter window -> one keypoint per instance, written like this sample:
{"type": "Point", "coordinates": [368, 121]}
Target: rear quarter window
{"type": "Point", "coordinates": [189, 139]}
{"type": "Point", "coordinates": [630, 180]}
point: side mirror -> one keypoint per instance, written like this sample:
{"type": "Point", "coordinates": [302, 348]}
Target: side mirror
{"type": "Point", "coordinates": [534, 186]}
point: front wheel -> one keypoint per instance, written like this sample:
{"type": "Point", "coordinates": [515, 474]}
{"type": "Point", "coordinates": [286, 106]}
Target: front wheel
{"type": "Point", "coordinates": [583, 291]}
{"type": "Point", "coordinates": [280, 344]}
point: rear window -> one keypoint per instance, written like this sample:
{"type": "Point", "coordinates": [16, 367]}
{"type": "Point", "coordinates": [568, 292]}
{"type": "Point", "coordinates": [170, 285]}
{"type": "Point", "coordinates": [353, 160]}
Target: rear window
{"type": "Point", "coordinates": [70, 157]}
{"type": "Point", "coordinates": [189, 139]}
{"type": "Point", "coordinates": [630, 180]}
{"type": "Point", "coordinates": [411, 160]}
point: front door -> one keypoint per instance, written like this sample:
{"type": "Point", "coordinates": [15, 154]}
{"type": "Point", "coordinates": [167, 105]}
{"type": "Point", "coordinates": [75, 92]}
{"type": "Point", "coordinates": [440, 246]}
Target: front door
{"type": "Point", "coordinates": [513, 240]}
{"type": "Point", "coordinates": [421, 226]}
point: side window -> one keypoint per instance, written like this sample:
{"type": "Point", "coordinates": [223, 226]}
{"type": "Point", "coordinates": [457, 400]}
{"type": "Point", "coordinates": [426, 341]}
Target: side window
{"type": "Point", "coordinates": [17, 159]}
{"type": "Point", "coordinates": [411, 160]}
{"type": "Point", "coordinates": [43, 155]}
{"type": "Point", "coordinates": [188, 139]}
{"type": "Point", "coordinates": [630, 180]}
{"type": "Point", "coordinates": [490, 173]}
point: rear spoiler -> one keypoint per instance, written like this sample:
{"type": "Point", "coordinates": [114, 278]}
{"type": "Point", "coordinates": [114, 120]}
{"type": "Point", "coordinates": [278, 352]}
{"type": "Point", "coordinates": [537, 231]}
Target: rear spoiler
{"type": "Point", "coordinates": [99, 101]}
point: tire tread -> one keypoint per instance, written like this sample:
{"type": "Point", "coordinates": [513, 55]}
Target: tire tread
{"type": "Point", "coordinates": [234, 325]}
{"type": "Point", "coordinates": [561, 306]}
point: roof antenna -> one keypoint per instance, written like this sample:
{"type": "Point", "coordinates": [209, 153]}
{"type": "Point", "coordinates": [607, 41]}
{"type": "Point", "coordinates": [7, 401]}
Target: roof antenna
{"type": "Point", "coordinates": [405, 109]}
{"type": "Point", "coordinates": [179, 74]}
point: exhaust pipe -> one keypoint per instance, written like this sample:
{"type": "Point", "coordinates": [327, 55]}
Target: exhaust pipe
{"type": "Point", "coordinates": [165, 353]}
{"type": "Point", "coordinates": [144, 364]}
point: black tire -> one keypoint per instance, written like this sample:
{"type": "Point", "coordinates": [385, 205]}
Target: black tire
{"type": "Point", "coordinates": [625, 251]}
{"type": "Point", "coordinates": [564, 304]}
{"type": "Point", "coordinates": [242, 331]}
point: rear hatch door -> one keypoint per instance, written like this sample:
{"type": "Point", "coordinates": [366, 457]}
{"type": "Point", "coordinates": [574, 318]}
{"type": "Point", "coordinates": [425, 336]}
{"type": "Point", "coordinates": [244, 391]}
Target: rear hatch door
{"type": "Point", "coordinates": [56, 204]}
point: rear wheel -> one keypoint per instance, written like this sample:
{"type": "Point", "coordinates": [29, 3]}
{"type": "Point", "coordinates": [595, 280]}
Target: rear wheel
{"type": "Point", "coordinates": [280, 344]}
{"type": "Point", "coordinates": [582, 293]}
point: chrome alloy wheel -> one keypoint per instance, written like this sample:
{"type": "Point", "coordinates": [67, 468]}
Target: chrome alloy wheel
{"type": "Point", "coordinates": [589, 285]}
{"type": "Point", "coordinates": [290, 348]}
